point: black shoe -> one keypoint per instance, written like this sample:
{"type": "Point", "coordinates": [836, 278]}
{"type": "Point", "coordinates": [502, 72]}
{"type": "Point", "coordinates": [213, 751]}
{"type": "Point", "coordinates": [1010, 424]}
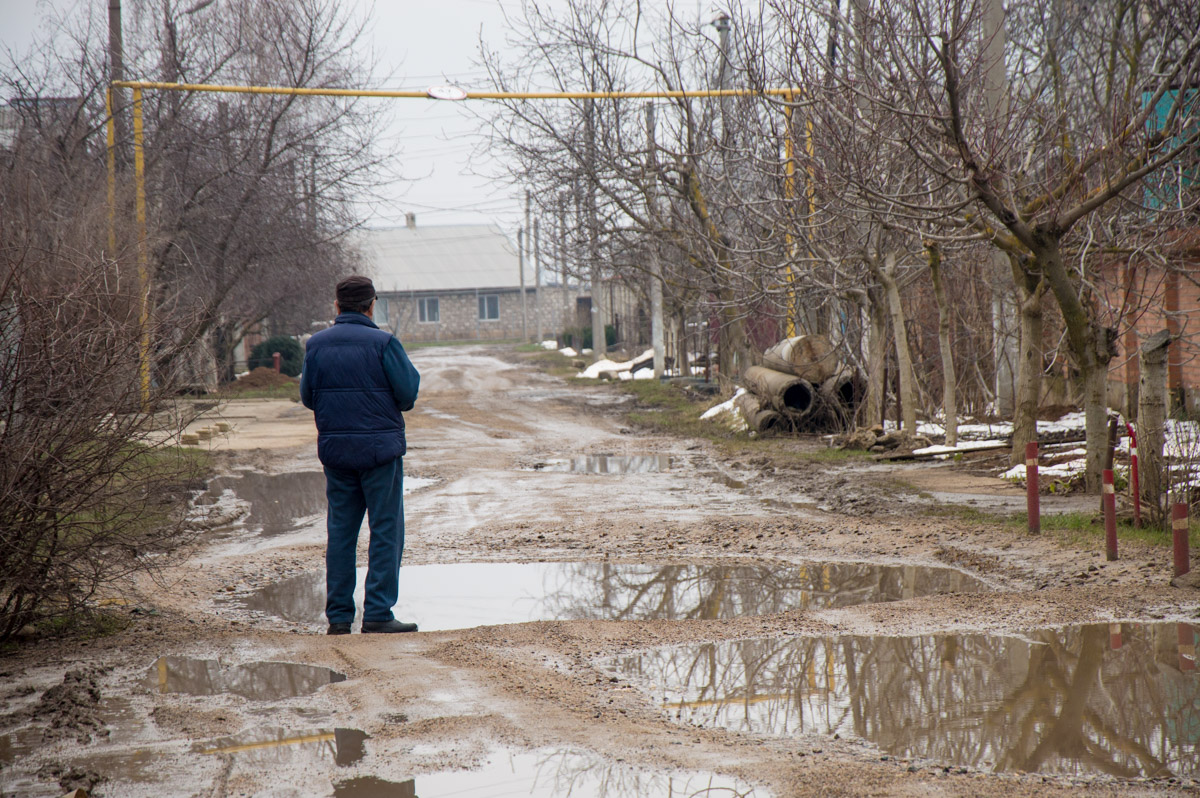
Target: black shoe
{"type": "Point", "coordinates": [376, 627]}
{"type": "Point", "coordinates": [338, 629]}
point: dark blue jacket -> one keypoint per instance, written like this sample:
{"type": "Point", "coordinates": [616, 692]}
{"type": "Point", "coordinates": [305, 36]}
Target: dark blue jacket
{"type": "Point", "coordinates": [357, 380]}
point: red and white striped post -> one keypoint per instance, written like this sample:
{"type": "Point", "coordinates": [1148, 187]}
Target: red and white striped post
{"type": "Point", "coordinates": [1114, 636]}
{"type": "Point", "coordinates": [1179, 538]}
{"type": "Point", "coordinates": [1134, 481]}
{"type": "Point", "coordinates": [1109, 500]}
{"type": "Point", "coordinates": [1032, 502]}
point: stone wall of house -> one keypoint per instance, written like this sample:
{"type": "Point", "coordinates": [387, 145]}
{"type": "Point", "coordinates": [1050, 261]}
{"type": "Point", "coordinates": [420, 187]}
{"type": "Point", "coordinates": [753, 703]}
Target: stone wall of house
{"type": "Point", "coordinates": [458, 315]}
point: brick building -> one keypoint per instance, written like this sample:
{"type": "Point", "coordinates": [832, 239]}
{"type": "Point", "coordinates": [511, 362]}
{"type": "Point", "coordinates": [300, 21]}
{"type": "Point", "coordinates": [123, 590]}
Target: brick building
{"type": "Point", "coordinates": [1170, 300]}
{"type": "Point", "coordinates": [459, 283]}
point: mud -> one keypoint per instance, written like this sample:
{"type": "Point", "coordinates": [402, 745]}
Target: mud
{"type": "Point", "coordinates": [71, 709]}
{"type": "Point", "coordinates": [490, 692]}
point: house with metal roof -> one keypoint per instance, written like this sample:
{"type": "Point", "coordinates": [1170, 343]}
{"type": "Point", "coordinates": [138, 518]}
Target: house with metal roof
{"type": "Point", "coordinates": [460, 282]}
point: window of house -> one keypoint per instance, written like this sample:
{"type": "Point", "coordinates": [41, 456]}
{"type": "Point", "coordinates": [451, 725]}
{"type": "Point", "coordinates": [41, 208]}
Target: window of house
{"type": "Point", "coordinates": [489, 307]}
{"type": "Point", "coordinates": [427, 309]}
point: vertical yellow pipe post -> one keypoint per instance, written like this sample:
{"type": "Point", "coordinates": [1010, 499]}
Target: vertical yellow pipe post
{"type": "Point", "coordinates": [789, 194]}
{"type": "Point", "coordinates": [139, 175]}
{"type": "Point", "coordinates": [110, 127]}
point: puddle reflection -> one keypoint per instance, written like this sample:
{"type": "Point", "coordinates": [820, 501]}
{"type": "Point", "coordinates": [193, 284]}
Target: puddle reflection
{"type": "Point", "coordinates": [371, 787]}
{"type": "Point", "coordinates": [344, 747]}
{"type": "Point", "coordinates": [278, 502]}
{"type": "Point", "coordinates": [477, 594]}
{"type": "Point", "coordinates": [281, 503]}
{"type": "Point", "coordinates": [551, 773]}
{"type": "Point", "coordinates": [1121, 700]}
{"type": "Point", "coordinates": [257, 681]}
{"type": "Point", "coordinates": [610, 464]}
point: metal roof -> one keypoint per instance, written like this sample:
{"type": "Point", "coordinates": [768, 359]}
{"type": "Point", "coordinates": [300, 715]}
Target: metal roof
{"type": "Point", "coordinates": [440, 258]}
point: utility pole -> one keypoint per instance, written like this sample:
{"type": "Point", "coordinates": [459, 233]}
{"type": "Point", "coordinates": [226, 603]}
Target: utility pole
{"type": "Point", "coordinates": [116, 71]}
{"type": "Point", "coordinates": [525, 259]}
{"type": "Point", "coordinates": [113, 130]}
{"type": "Point", "coordinates": [567, 318]}
{"type": "Point", "coordinates": [724, 75]}
{"type": "Point", "coordinates": [599, 343]}
{"type": "Point", "coordinates": [537, 282]}
{"type": "Point", "coordinates": [521, 266]}
{"type": "Point", "coordinates": [995, 91]}
{"type": "Point", "coordinates": [312, 190]}
{"type": "Point", "coordinates": [656, 287]}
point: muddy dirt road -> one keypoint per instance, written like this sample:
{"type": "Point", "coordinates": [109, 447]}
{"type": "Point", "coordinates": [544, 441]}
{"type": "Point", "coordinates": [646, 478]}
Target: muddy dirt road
{"type": "Point", "coordinates": [609, 614]}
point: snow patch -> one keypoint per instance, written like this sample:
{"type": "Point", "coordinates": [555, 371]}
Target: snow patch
{"type": "Point", "coordinates": [969, 446]}
{"type": "Point", "coordinates": [622, 367]}
{"type": "Point", "coordinates": [725, 407]}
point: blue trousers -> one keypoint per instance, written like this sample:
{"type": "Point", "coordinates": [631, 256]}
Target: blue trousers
{"type": "Point", "coordinates": [378, 493]}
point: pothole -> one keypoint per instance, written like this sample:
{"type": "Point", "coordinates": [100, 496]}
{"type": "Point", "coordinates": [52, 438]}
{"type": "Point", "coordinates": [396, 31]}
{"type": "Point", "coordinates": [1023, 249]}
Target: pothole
{"type": "Point", "coordinates": [609, 464]}
{"type": "Point", "coordinates": [549, 774]}
{"type": "Point", "coordinates": [257, 681]}
{"type": "Point", "coordinates": [1121, 699]}
{"type": "Point", "coordinates": [466, 595]}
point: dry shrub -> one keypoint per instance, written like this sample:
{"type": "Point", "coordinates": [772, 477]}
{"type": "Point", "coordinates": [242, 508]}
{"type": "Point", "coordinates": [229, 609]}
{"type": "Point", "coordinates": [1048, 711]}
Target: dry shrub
{"type": "Point", "coordinates": [90, 491]}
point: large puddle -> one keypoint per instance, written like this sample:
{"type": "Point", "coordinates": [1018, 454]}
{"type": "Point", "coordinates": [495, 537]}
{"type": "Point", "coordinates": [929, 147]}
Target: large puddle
{"type": "Point", "coordinates": [551, 774]}
{"type": "Point", "coordinates": [1122, 699]}
{"type": "Point", "coordinates": [257, 681]}
{"type": "Point", "coordinates": [609, 464]}
{"type": "Point", "coordinates": [280, 503]}
{"type": "Point", "coordinates": [320, 754]}
{"type": "Point", "coordinates": [479, 594]}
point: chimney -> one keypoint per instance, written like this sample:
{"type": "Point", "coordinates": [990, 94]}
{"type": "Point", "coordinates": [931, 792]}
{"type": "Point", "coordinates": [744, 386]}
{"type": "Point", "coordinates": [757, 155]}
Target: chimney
{"type": "Point", "coordinates": [410, 220]}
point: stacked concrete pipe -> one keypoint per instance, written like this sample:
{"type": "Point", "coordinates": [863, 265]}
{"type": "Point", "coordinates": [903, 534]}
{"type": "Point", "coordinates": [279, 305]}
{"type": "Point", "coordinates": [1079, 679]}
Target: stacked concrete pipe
{"type": "Point", "coordinates": [801, 386]}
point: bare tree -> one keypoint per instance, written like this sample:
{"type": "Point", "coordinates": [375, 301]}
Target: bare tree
{"type": "Point", "coordinates": [250, 196]}
{"type": "Point", "coordinates": [1098, 103]}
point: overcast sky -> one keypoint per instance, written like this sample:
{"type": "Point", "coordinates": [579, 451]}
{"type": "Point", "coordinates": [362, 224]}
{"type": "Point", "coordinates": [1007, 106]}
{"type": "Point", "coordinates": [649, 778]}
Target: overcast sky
{"type": "Point", "coordinates": [422, 44]}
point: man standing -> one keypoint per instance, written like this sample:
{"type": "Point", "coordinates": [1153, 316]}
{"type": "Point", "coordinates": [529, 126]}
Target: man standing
{"type": "Point", "coordinates": [357, 380]}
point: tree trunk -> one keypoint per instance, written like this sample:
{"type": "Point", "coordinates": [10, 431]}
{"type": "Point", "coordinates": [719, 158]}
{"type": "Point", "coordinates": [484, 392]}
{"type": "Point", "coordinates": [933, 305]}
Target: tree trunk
{"type": "Point", "coordinates": [1094, 382]}
{"type": "Point", "coordinates": [949, 379]}
{"type": "Point", "coordinates": [1029, 369]}
{"type": "Point", "coordinates": [732, 346]}
{"type": "Point", "coordinates": [681, 341]}
{"type": "Point", "coordinates": [876, 355]}
{"type": "Point", "coordinates": [904, 367]}
{"type": "Point", "coordinates": [1090, 348]}
{"type": "Point", "coordinates": [1152, 414]}
{"type": "Point", "coordinates": [1002, 347]}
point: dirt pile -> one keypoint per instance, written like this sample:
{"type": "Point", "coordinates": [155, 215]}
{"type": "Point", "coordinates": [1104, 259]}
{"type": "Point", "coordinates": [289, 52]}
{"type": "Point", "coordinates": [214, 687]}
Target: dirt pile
{"type": "Point", "coordinates": [260, 379]}
{"type": "Point", "coordinates": [72, 709]}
